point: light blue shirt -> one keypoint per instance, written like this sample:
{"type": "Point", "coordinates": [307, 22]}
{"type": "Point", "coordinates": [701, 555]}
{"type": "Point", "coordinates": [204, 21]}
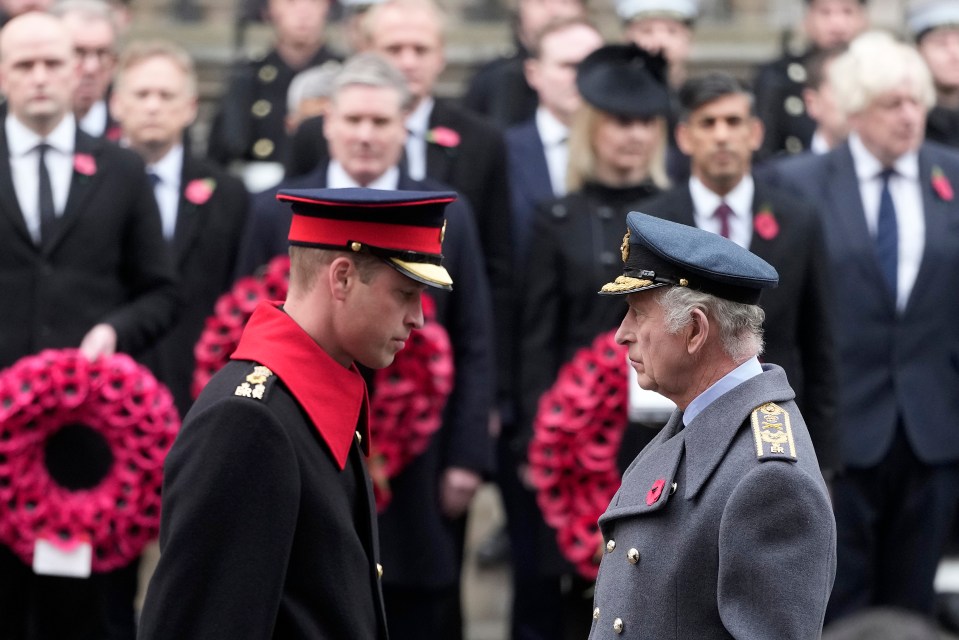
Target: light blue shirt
{"type": "Point", "coordinates": [749, 369]}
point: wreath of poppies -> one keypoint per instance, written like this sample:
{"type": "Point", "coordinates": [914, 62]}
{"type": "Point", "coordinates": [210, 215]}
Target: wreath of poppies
{"type": "Point", "coordinates": [408, 396]}
{"type": "Point", "coordinates": [572, 456]}
{"type": "Point", "coordinates": [117, 402]}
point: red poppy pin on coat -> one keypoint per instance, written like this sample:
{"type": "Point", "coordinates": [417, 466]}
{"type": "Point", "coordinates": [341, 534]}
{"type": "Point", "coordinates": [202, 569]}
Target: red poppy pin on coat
{"type": "Point", "coordinates": [655, 492]}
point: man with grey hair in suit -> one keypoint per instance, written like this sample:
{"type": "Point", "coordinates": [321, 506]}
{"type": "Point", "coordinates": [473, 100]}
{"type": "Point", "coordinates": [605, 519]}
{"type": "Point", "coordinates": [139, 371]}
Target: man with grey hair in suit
{"type": "Point", "coordinates": [722, 527]}
{"type": "Point", "coordinates": [889, 211]}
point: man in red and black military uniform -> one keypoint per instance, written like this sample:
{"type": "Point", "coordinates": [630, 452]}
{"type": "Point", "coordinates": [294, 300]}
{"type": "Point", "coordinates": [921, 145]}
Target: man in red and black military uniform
{"type": "Point", "coordinates": [269, 525]}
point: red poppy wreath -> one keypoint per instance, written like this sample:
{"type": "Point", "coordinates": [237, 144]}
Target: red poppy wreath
{"type": "Point", "coordinates": [408, 396]}
{"type": "Point", "coordinates": [576, 435]}
{"type": "Point", "coordinates": [124, 421]}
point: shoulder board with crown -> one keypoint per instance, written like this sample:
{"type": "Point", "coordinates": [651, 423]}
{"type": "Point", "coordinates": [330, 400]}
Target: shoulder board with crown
{"type": "Point", "coordinates": [257, 383]}
{"type": "Point", "coordinates": [773, 433]}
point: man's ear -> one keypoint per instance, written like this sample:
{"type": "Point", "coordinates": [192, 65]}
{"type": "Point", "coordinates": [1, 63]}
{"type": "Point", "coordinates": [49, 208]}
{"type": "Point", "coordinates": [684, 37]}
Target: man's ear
{"type": "Point", "coordinates": [697, 332]}
{"type": "Point", "coordinates": [340, 277]}
{"type": "Point", "coordinates": [682, 138]}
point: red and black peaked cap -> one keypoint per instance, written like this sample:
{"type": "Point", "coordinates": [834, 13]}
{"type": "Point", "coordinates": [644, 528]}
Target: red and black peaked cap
{"type": "Point", "coordinates": [404, 228]}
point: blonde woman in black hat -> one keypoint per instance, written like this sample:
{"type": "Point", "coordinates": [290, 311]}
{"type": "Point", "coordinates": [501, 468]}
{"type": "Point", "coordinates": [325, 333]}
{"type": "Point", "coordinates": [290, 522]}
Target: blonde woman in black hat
{"type": "Point", "coordinates": [617, 156]}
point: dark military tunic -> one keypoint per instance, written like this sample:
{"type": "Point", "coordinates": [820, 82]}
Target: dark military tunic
{"type": "Point", "coordinates": [268, 526]}
{"type": "Point", "coordinates": [250, 124]}
{"type": "Point", "coordinates": [942, 126]}
{"type": "Point", "coordinates": [721, 530]}
{"type": "Point", "coordinates": [780, 106]}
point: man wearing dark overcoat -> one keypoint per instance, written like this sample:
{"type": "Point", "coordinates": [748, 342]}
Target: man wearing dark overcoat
{"type": "Point", "coordinates": [722, 527]}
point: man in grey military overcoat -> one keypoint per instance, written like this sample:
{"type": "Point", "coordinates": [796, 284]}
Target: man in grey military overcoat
{"type": "Point", "coordinates": [722, 527]}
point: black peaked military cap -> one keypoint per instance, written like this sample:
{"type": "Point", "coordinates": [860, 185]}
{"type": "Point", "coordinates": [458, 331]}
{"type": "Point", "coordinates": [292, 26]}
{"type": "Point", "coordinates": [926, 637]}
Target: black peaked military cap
{"type": "Point", "coordinates": [624, 80]}
{"type": "Point", "coordinates": [404, 228]}
{"type": "Point", "coordinates": [659, 253]}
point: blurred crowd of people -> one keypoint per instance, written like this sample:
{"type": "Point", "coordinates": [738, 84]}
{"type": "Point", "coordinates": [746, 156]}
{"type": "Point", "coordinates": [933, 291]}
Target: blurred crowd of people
{"type": "Point", "coordinates": [836, 165]}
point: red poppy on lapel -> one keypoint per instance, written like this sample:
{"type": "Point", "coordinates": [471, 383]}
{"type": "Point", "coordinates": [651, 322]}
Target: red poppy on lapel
{"type": "Point", "coordinates": [443, 136]}
{"type": "Point", "coordinates": [765, 224]}
{"type": "Point", "coordinates": [113, 134]}
{"type": "Point", "coordinates": [941, 184]}
{"type": "Point", "coordinates": [200, 190]}
{"type": "Point", "coordinates": [655, 492]}
{"type": "Point", "coordinates": [84, 164]}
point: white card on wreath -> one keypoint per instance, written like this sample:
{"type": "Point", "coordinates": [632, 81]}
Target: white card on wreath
{"type": "Point", "coordinates": [70, 560]}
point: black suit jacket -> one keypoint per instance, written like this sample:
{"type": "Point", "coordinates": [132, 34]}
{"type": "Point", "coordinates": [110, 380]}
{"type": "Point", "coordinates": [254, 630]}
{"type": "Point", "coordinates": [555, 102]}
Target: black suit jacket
{"type": "Point", "coordinates": [798, 329]}
{"type": "Point", "coordinates": [107, 261]}
{"type": "Point", "coordinates": [893, 365]}
{"type": "Point", "coordinates": [500, 92]}
{"type": "Point", "coordinates": [529, 183]}
{"type": "Point", "coordinates": [205, 246]}
{"type": "Point", "coordinates": [413, 520]}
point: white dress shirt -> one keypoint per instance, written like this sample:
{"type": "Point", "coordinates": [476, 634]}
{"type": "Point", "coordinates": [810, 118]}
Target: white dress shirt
{"type": "Point", "coordinates": [338, 178]}
{"type": "Point", "coordinates": [907, 199]}
{"type": "Point", "coordinates": [25, 161]}
{"type": "Point", "coordinates": [555, 138]}
{"type": "Point", "coordinates": [167, 191]}
{"type": "Point", "coordinates": [740, 200]}
{"type": "Point", "coordinates": [95, 122]}
{"type": "Point", "coordinates": [417, 123]}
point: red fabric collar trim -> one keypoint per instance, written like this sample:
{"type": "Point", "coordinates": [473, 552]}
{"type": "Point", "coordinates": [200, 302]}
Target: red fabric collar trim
{"type": "Point", "coordinates": [335, 398]}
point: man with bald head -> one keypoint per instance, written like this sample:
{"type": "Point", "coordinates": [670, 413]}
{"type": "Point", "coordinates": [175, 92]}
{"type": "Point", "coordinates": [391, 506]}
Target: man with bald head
{"type": "Point", "coordinates": [83, 264]}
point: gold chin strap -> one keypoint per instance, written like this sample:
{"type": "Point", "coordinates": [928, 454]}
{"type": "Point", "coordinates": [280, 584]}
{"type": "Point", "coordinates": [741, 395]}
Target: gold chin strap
{"type": "Point", "coordinates": [625, 283]}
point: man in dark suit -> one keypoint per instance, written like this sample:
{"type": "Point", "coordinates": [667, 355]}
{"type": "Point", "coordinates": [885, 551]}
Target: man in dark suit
{"type": "Point", "coordinates": [83, 264]}
{"type": "Point", "coordinates": [202, 208]}
{"type": "Point", "coordinates": [779, 84]}
{"type": "Point", "coordinates": [888, 204]}
{"type": "Point", "coordinates": [499, 90]}
{"type": "Point", "coordinates": [422, 530]}
{"type": "Point", "coordinates": [719, 131]}
{"type": "Point", "coordinates": [94, 34]}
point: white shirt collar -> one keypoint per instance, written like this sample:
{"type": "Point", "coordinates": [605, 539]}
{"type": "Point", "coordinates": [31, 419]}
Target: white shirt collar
{"type": "Point", "coordinates": [21, 140]}
{"type": "Point", "coordinates": [418, 121]}
{"type": "Point", "coordinates": [551, 130]}
{"type": "Point", "coordinates": [749, 369]}
{"type": "Point", "coordinates": [95, 122]}
{"type": "Point", "coordinates": [338, 178]}
{"type": "Point", "coordinates": [868, 166]}
{"type": "Point", "coordinates": [740, 199]}
{"type": "Point", "coordinates": [170, 167]}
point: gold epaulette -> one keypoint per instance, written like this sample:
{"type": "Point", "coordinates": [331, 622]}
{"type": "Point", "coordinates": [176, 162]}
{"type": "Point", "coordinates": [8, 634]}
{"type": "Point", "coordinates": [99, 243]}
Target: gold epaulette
{"type": "Point", "coordinates": [774, 435]}
{"type": "Point", "coordinates": [256, 383]}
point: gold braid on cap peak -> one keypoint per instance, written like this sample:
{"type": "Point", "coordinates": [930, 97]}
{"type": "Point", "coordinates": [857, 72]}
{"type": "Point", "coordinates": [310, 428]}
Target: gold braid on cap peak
{"type": "Point", "coordinates": [624, 283]}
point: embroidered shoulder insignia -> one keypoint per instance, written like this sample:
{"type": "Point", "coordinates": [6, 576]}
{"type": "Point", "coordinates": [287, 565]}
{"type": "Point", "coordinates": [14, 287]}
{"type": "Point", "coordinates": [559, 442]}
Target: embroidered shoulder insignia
{"type": "Point", "coordinates": [773, 433]}
{"type": "Point", "coordinates": [256, 383]}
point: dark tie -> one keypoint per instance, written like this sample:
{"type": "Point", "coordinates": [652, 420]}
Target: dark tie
{"type": "Point", "coordinates": [153, 178]}
{"type": "Point", "coordinates": [887, 234]}
{"type": "Point", "coordinates": [723, 212]}
{"type": "Point", "coordinates": [48, 213]}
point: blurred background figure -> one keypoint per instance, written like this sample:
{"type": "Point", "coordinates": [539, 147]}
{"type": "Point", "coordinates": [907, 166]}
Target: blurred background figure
{"type": "Point", "coordinates": [499, 89]}
{"type": "Point", "coordinates": [95, 41]}
{"type": "Point", "coordinates": [934, 24]}
{"type": "Point", "coordinates": [309, 94]}
{"type": "Point", "coordinates": [202, 208]}
{"type": "Point", "coordinates": [617, 148]}
{"type": "Point", "coordinates": [250, 125]}
{"type": "Point", "coordinates": [664, 26]}
{"type": "Point", "coordinates": [779, 84]}
{"type": "Point", "coordinates": [887, 204]}
{"type": "Point", "coordinates": [820, 100]}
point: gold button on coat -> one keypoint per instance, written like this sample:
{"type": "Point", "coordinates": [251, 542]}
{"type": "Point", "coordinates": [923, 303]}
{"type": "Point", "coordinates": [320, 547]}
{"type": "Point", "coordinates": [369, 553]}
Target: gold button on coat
{"type": "Point", "coordinates": [596, 613]}
{"type": "Point", "coordinates": [618, 625]}
{"type": "Point", "coordinates": [379, 570]}
{"type": "Point", "coordinates": [261, 108]}
{"type": "Point", "coordinates": [633, 556]}
{"type": "Point", "coordinates": [267, 73]}
{"type": "Point", "coordinates": [263, 147]}
{"type": "Point", "coordinates": [610, 546]}
{"type": "Point", "coordinates": [359, 437]}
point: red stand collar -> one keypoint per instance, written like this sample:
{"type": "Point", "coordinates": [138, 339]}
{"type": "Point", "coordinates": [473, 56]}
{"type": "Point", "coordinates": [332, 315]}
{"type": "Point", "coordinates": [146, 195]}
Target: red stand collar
{"type": "Point", "coordinates": [335, 398]}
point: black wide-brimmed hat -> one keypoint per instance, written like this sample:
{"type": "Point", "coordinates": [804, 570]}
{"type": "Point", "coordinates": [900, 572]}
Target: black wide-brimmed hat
{"type": "Point", "coordinates": [624, 80]}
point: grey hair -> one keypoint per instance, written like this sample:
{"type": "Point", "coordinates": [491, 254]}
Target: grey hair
{"type": "Point", "coordinates": [740, 325]}
{"type": "Point", "coordinates": [315, 82]}
{"type": "Point", "coordinates": [88, 10]}
{"type": "Point", "coordinates": [372, 70]}
{"type": "Point", "coordinates": [875, 63]}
